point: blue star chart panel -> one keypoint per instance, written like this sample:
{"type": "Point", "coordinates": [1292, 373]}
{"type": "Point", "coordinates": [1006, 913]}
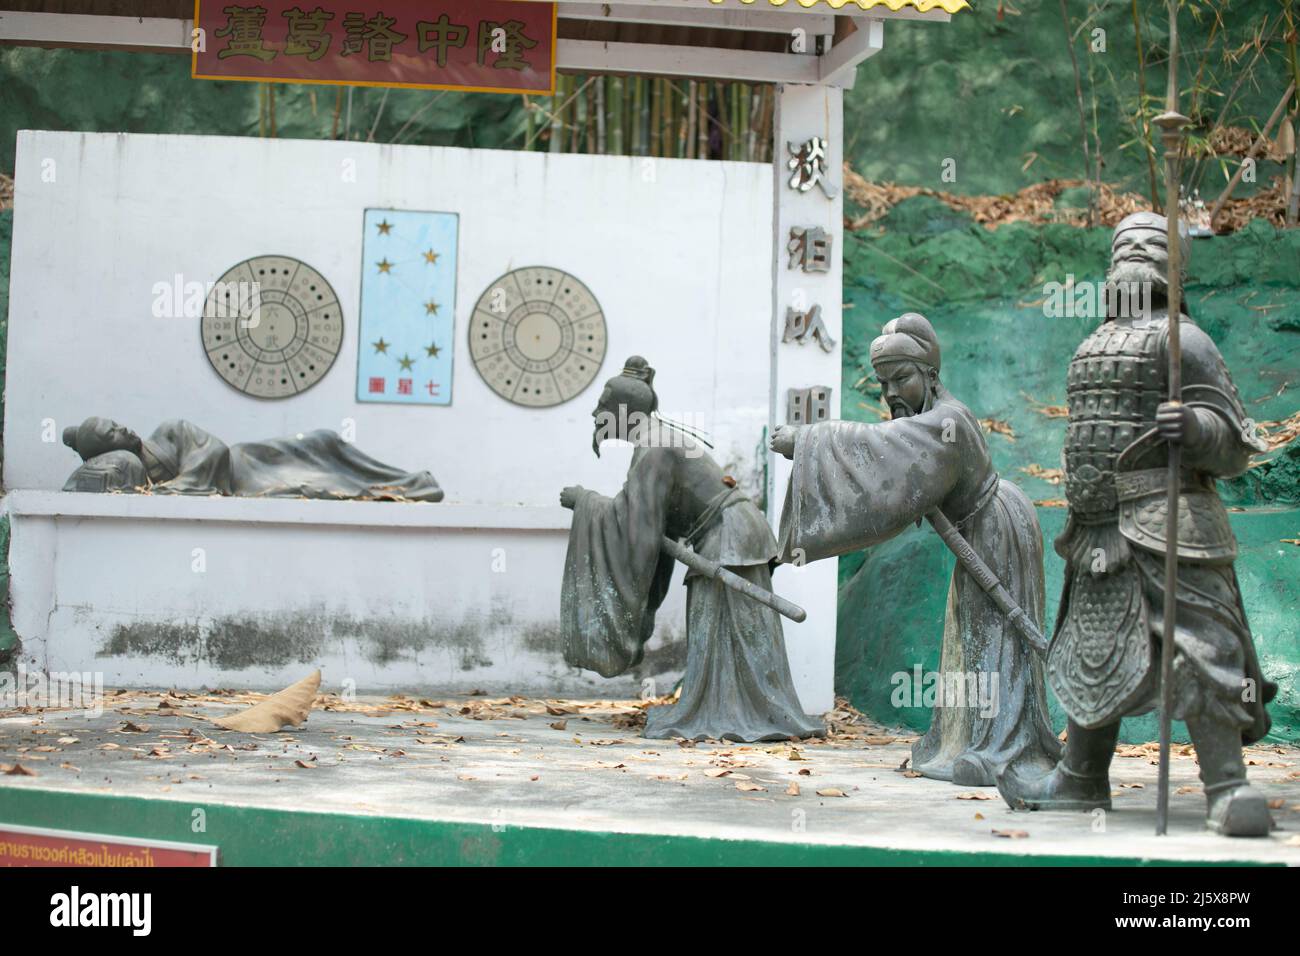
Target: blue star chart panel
{"type": "Point", "coordinates": [408, 307]}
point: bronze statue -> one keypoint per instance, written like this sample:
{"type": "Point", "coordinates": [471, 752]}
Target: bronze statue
{"type": "Point", "coordinates": [737, 684]}
{"type": "Point", "coordinates": [1104, 654]}
{"type": "Point", "coordinates": [855, 485]}
{"type": "Point", "coordinates": [181, 458]}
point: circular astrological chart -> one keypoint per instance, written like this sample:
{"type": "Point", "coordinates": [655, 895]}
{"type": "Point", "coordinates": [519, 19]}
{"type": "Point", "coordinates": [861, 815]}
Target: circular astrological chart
{"type": "Point", "coordinates": [537, 336]}
{"type": "Point", "coordinates": [272, 327]}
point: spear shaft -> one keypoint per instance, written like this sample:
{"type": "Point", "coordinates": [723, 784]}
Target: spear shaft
{"type": "Point", "coordinates": [1172, 123]}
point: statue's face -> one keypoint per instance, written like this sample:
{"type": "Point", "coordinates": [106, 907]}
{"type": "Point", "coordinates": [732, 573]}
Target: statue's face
{"type": "Point", "coordinates": [1140, 255]}
{"type": "Point", "coordinates": [607, 424]}
{"type": "Point", "coordinates": [904, 387]}
{"type": "Point", "coordinates": [105, 435]}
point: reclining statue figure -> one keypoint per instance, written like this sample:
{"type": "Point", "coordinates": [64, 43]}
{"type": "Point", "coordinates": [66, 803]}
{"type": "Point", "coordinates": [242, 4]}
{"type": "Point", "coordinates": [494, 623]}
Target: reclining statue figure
{"type": "Point", "coordinates": [181, 458]}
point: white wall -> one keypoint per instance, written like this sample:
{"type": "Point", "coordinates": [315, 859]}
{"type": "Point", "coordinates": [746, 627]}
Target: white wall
{"type": "Point", "coordinates": [679, 265]}
{"type": "Point", "coordinates": [678, 253]}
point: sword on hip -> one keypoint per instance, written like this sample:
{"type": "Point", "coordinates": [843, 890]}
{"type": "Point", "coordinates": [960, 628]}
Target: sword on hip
{"type": "Point", "coordinates": [987, 580]}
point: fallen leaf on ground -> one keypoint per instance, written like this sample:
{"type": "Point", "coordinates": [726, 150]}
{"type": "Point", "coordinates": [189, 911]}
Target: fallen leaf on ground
{"type": "Point", "coordinates": [17, 770]}
{"type": "Point", "coordinates": [974, 795]}
{"type": "Point", "coordinates": [1010, 834]}
{"type": "Point", "coordinates": [793, 789]}
{"type": "Point", "coordinates": [560, 725]}
{"type": "Point", "coordinates": [831, 792]}
{"type": "Point", "coordinates": [287, 707]}
{"type": "Point", "coordinates": [304, 765]}
{"type": "Point", "coordinates": [749, 786]}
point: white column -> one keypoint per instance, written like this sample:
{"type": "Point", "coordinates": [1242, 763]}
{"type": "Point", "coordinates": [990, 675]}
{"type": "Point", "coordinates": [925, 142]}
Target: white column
{"type": "Point", "coordinates": [804, 112]}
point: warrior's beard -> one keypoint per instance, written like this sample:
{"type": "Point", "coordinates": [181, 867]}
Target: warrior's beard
{"type": "Point", "coordinates": [900, 409]}
{"type": "Point", "coordinates": [1134, 274]}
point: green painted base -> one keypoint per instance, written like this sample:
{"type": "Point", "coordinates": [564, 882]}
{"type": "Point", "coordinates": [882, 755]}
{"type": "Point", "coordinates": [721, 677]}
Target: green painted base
{"type": "Point", "coordinates": [252, 836]}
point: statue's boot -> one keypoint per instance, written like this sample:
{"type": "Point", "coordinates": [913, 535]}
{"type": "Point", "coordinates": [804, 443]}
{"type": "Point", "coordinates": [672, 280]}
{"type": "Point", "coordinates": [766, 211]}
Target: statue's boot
{"type": "Point", "coordinates": [1233, 807]}
{"type": "Point", "coordinates": [1080, 781]}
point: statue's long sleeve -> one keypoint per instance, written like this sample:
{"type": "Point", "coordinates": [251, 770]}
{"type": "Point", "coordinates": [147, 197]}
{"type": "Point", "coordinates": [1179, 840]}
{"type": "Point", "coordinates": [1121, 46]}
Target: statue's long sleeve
{"type": "Point", "coordinates": [615, 573]}
{"type": "Point", "coordinates": [854, 485]}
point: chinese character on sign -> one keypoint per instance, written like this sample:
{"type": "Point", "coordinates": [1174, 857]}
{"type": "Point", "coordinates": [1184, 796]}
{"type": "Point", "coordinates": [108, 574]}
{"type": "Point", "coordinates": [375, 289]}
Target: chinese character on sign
{"type": "Point", "coordinates": [374, 32]}
{"type": "Point", "coordinates": [802, 326]}
{"type": "Point", "coordinates": [244, 27]}
{"type": "Point", "coordinates": [440, 35]}
{"type": "Point", "coordinates": [810, 249]}
{"type": "Point", "coordinates": [404, 386]}
{"type": "Point", "coordinates": [377, 386]}
{"type": "Point", "coordinates": [507, 41]}
{"type": "Point", "coordinates": [808, 406]}
{"type": "Point", "coordinates": [306, 34]}
{"type": "Point", "coordinates": [808, 163]}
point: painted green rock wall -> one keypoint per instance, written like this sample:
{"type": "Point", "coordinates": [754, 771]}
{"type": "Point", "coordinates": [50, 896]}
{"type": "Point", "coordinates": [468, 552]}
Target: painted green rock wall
{"type": "Point", "coordinates": [1002, 355]}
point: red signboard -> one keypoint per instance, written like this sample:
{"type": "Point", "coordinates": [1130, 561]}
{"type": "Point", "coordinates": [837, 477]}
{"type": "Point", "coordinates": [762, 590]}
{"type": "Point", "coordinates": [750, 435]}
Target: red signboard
{"type": "Point", "coordinates": [36, 846]}
{"type": "Point", "coordinates": [488, 46]}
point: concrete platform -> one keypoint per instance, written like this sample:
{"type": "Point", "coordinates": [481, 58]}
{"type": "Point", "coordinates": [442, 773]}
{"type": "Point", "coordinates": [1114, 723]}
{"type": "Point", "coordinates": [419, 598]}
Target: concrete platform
{"type": "Point", "coordinates": [477, 780]}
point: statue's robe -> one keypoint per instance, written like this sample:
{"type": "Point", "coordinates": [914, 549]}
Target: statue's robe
{"type": "Point", "coordinates": [737, 683]}
{"type": "Point", "coordinates": [181, 458]}
{"type": "Point", "coordinates": [855, 485]}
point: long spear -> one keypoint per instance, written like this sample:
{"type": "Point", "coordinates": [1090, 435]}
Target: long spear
{"type": "Point", "coordinates": [1171, 123]}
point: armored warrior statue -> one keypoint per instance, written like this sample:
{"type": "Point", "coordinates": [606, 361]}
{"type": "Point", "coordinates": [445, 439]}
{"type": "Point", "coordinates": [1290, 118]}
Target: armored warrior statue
{"type": "Point", "coordinates": [1103, 659]}
{"type": "Point", "coordinates": [855, 485]}
{"type": "Point", "coordinates": [737, 684]}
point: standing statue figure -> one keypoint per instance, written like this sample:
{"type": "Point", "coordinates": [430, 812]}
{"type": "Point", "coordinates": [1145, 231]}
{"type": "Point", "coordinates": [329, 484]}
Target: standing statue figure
{"type": "Point", "coordinates": [180, 458]}
{"type": "Point", "coordinates": [855, 485]}
{"type": "Point", "coordinates": [737, 684]}
{"type": "Point", "coordinates": [1103, 663]}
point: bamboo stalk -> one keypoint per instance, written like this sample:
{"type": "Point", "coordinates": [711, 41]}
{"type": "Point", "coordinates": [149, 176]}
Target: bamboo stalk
{"type": "Point", "coordinates": [1148, 145]}
{"type": "Point", "coordinates": [557, 129]}
{"type": "Point", "coordinates": [1083, 118]}
{"type": "Point", "coordinates": [656, 115]}
{"type": "Point", "coordinates": [590, 119]}
{"type": "Point", "coordinates": [575, 125]}
{"type": "Point", "coordinates": [692, 98]}
{"type": "Point", "coordinates": [600, 114]}
{"type": "Point", "coordinates": [702, 132]}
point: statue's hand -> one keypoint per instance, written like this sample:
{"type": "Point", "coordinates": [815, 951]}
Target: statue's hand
{"type": "Point", "coordinates": [1177, 424]}
{"type": "Point", "coordinates": [569, 496]}
{"type": "Point", "coordinates": [782, 441]}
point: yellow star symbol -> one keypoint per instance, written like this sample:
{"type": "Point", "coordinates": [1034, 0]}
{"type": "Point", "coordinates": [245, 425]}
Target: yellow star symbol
{"type": "Point", "coordinates": [381, 345]}
{"type": "Point", "coordinates": [432, 349]}
{"type": "Point", "coordinates": [406, 362]}
{"type": "Point", "coordinates": [384, 227]}
{"type": "Point", "coordinates": [385, 265]}
{"type": "Point", "coordinates": [431, 257]}
{"type": "Point", "coordinates": [431, 308]}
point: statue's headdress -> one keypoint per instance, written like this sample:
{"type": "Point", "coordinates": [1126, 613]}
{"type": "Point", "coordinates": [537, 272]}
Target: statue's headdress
{"type": "Point", "coordinates": [910, 336]}
{"type": "Point", "coordinates": [635, 385]}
